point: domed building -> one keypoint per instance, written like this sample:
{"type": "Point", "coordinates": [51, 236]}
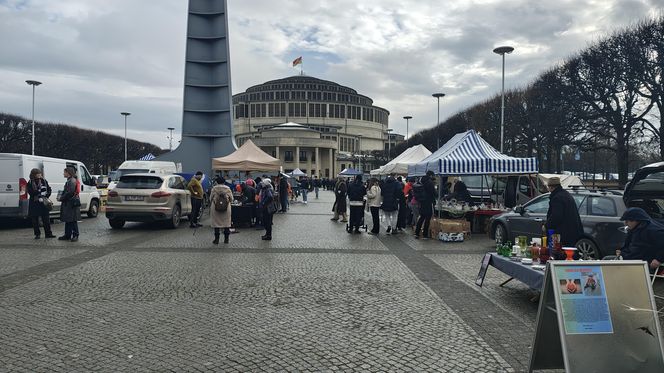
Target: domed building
{"type": "Point", "coordinates": [315, 125]}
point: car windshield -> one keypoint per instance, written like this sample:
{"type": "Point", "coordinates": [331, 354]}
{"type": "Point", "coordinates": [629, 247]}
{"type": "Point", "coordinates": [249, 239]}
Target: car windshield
{"type": "Point", "coordinates": [140, 182]}
{"type": "Point", "coordinates": [128, 171]}
{"type": "Point", "coordinates": [476, 182]}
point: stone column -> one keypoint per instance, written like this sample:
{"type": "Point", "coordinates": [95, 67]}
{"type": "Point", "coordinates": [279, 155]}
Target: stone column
{"type": "Point", "coordinates": [318, 163]}
{"type": "Point", "coordinates": [309, 170]}
{"type": "Point", "coordinates": [276, 150]}
{"type": "Point", "coordinates": [297, 157]}
{"type": "Point", "coordinates": [331, 152]}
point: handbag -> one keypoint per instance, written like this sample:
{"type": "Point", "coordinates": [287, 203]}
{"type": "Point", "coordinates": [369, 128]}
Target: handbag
{"type": "Point", "coordinates": [272, 207]}
{"type": "Point", "coordinates": [48, 203]}
{"type": "Point", "coordinates": [76, 202]}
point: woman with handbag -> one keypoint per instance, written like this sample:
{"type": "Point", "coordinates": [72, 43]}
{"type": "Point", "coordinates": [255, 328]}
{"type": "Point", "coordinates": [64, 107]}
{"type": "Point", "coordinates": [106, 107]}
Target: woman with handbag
{"type": "Point", "coordinates": [220, 213]}
{"type": "Point", "coordinates": [268, 206]}
{"type": "Point", "coordinates": [39, 205]}
{"type": "Point", "coordinates": [70, 205]}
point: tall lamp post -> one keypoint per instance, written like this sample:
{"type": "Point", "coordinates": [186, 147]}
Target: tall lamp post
{"type": "Point", "coordinates": [359, 149]}
{"type": "Point", "coordinates": [407, 118]}
{"type": "Point", "coordinates": [125, 115]}
{"type": "Point", "coordinates": [502, 51]}
{"type": "Point", "coordinates": [438, 96]}
{"type": "Point", "coordinates": [170, 139]}
{"type": "Point", "coordinates": [34, 84]}
{"type": "Point", "coordinates": [389, 143]}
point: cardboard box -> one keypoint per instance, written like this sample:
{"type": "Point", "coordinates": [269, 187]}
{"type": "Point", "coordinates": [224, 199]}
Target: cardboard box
{"type": "Point", "coordinates": [453, 226]}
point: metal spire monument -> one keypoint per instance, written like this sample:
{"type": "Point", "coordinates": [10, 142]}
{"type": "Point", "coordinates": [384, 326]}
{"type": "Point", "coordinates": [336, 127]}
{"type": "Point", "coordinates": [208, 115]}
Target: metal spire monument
{"type": "Point", "coordinates": [207, 128]}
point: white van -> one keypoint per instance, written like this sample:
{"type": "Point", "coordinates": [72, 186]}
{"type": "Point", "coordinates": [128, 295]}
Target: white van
{"type": "Point", "coordinates": [15, 174]}
{"type": "Point", "coordinates": [140, 167]}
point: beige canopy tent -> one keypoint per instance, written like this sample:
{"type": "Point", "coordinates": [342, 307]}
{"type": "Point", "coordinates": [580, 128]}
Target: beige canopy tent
{"type": "Point", "coordinates": [248, 157]}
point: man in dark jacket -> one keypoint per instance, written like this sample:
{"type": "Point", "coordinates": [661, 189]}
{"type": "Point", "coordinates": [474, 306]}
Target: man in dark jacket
{"type": "Point", "coordinates": [426, 205]}
{"type": "Point", "coordinates": [283, 193]}
{"type": "Point", "coordinates": [356, 193]}
{"type": "Point", "coordinates": [390, 191]}
{"type": "Point", "coordinates": [645, 238]}
{"type": "Point", "coordinates": [563, 215]}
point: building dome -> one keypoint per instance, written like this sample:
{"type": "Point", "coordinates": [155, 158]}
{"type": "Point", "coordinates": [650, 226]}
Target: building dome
{"type": "Point", "coordinates": [305, 115]}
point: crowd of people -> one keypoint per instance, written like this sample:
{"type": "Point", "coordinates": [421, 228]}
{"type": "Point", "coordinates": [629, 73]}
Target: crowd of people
{"type": "Point", "coordinates": [403, 203]}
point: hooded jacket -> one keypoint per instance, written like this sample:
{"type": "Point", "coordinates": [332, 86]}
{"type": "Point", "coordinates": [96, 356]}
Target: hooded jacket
{"type": "Point", "coordinates": [645, 241]}
{"type": "Point", "coordinates": [390, 193]}
{"type": "Point", "coordinates": [563, 217]}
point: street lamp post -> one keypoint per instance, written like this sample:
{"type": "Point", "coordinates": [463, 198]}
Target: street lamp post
{"type": "Point", "coordinates": [170, 139]}
{"type": "Point", "coordinates": [438, 96]}
{"type": "Point", "coordinates": [407, 118]}
{"type": "Point", "coordinates": [389, 143]}
{"type": "Point", "coordinates": [502, 51]}
{"type": "Point", "coordinates": [34, 84]}
{"type": "Point", "coordinates": [125, 115]}
{"type": "Point", "coordinates": [359, 148]}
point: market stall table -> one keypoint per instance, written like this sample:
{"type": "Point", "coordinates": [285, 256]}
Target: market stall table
{"type": "Point", "coordinates": [480, 219]}
{"type": "Point", "coordinates": [242, 214]}
{"type": "Point", "coordinates": [525, 273]}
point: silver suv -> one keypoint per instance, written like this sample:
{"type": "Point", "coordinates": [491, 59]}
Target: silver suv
{"type": "Point", "coordinates": [148, 197]}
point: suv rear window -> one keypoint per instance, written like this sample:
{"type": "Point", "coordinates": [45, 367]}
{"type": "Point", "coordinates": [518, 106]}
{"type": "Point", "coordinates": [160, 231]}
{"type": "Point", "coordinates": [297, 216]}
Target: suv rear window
{"type": "Point", "coordinates": [140, 182]}
{"type": "Point", "coordinates": [129, 171]}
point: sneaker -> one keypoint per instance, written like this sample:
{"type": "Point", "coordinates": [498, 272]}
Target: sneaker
{"type": "Point", "coordinates": [74, 239]}
{"type": "Point", "coordinates": [265, 238]}
{"type": "Point", "coordinates": [372, 233]}
{"type": "Point", "coordinates": [50, 235]}
{"type": "Point", "coordinates": [344, 221]}
{"type": "Point", "coordinates": [389, 229]}
{"type": "Point", "coordinates": [64, 238]}
{"type": "Point", "coordinates": [37, 237]}
{"type": "Point", "coordinates": [334, 219]}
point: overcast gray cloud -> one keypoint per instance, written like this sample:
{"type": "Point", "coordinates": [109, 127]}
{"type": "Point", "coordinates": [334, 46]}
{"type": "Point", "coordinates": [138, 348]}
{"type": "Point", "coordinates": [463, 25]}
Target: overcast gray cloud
{"type": "Point", "coordinates": [99, 57]}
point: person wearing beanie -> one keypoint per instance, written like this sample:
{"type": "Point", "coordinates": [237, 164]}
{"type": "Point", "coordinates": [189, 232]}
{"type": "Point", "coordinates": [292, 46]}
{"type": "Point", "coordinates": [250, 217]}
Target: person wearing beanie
{"type": "Point", "coordinates": [563, 214]}
{"type": "Point", "coordinates": [265, 201]}
{"type": "Point", "coordinates": [644, 238]}
{"type": "Point", "coordinates": [220, 219]}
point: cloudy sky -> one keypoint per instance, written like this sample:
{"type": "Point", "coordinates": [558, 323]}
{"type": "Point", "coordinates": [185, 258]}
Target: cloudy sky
{"type": "Point", "coordinates": [100, 57]}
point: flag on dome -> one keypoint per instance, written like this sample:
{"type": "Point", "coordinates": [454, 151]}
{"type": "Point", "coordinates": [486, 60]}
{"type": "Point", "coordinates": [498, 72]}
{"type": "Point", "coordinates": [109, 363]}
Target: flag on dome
{"type": "Point", "coordinates": [297, 61]}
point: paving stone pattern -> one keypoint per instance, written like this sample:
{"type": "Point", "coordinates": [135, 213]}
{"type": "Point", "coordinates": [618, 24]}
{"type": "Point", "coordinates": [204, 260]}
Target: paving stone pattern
{"type": "Point", "coordinates": [316, 298]}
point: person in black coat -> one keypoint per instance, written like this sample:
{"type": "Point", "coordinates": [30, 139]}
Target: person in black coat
{"type": "Point", "coordinates": [390, 192]}
{"type": "Point", "coordinates": [356, 193]}
{"type": "Point", "coordinates": [563, 215]}
{"type": "Point", "coordinates": [39, 192]}
{"type": "Point", "coordinates": [70, 205]}
{"type": "Point", "coordinates": [283, 193]}
{"type": "Point", "coordinates": [644, 238]}
{"type": "Point", "coordinates": [339, 207]}
{"type": "Point", "coordinates": [426, 205]}
{"type": "Point", "coordinates": [404, 211]}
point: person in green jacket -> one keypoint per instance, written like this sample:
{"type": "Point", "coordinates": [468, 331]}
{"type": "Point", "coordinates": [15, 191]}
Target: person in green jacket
{"type": "Point", "coordinates": [196, 190]}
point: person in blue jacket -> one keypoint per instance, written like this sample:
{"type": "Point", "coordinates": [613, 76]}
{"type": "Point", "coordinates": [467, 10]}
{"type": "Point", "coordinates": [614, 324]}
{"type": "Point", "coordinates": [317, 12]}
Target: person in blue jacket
{"type": "Point", "coordinates": [645, 238]}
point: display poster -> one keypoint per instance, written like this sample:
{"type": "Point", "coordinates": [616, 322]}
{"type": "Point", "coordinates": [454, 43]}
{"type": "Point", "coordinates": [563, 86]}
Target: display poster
{"type": "Point", "coordinates": [485, 265]}
{"type": "Point", "coordinates": [585, 307]}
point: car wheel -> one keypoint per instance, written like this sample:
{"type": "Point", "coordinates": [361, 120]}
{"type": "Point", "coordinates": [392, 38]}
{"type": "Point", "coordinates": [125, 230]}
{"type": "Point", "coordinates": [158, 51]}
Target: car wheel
{"type": "Point", "coordinates": [93, 210]}
{"type": "Point", "coordinates": [175, 217]}
{"type": "Point", "coordinates": [500, 233]}
{"type": "Point", "coordinates": [116, 223]}
{"type": "Point", "coordinates": [587, 249]}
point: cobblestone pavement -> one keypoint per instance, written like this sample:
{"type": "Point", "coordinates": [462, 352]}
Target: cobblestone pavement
{"type": "Point", "coordinates": [315, 298]}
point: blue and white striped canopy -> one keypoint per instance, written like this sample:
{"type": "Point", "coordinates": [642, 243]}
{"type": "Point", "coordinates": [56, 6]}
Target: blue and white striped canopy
{"type": "Point", "coordinates": [147, 157]}
{"type": "Point", "coordinates": [468, 154]}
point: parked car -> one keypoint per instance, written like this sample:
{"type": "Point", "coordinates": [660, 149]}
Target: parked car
{"type": "Point", "coordinates": [646, 190]}
{"type": "Point", "coordinates": [146, 198]}
{"type": "Point", "coordinates": [600, 213]}
{"type": "Point", "coordinates": [15, 174]}
{"type": "Point", "coordinates": [137, 167]}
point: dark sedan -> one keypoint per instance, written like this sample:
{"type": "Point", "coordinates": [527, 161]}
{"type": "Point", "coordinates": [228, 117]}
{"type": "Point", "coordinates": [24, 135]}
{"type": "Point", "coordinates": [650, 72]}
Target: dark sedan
{"type": "Point", "coordinates": [600, 214]}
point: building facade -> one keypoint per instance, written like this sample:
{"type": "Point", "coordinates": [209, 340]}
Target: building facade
{"type": "Point", "coordinates": [315, 125]}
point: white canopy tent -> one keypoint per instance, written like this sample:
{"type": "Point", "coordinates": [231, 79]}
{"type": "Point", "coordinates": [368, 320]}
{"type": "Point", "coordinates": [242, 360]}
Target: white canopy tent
{"type": "Point", "coordinates": [399, 165]}
{"type": "Point", "coordinates": [297, 172]}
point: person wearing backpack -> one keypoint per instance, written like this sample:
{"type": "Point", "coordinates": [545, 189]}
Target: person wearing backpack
{"type": "Point", "coordinates": [220, 213]}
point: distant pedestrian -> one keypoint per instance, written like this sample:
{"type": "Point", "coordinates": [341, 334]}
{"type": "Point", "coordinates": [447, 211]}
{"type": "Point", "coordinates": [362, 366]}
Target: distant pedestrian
{"type": "Point", "coordinates": [266, 203]}
{"type": "Point", "coordinates": [219, 218]}
{"type": "Point", "coordinates": [339, 207]}
{"type": "Point", "coordinates": [404, 211]}
{"type": "Point", "coordinates": [305, 184]}
{"type": "Point", "coordinates": [39, 205]}
{"type": "Point", "coordinates": [390, 193]}
{"type": "Point", "coordinates": [196, 190]}
{"type": "Point", "coordinates": [283, 192]}
{"type": "Point", "coordinates": [70, 205]}
{"type": "Point", "coordinates": [412, 202]}
{"type": "Point", "coordinates": [316, 185]}
{"type": "Point", "coordinates": [374, 200]}
{"type": "Point", "coordinates": [356, 193]}
{"type": "Point", "coordinates": [426, 197]}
